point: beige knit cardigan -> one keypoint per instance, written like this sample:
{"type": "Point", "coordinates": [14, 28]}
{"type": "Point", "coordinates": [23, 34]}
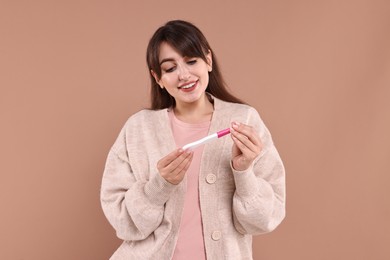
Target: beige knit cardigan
{"type": "Point", "coordinates": [145, 210]}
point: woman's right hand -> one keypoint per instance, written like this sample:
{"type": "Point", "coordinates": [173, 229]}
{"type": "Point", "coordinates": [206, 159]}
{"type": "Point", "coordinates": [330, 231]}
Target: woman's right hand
{"type": "Point", "coordinates": [173, 166]}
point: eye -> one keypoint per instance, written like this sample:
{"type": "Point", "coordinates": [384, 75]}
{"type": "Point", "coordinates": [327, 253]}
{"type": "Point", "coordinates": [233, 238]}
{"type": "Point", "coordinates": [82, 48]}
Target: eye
{"type": "Point", "coordinates": [170, 69]}
{"type": "Point", "coordinates": [191, 62]}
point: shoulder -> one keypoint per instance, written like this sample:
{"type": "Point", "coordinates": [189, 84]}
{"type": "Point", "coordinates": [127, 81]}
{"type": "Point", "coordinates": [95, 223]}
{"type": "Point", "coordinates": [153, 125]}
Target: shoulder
{"type": "Point", "coordinates": [142, 114]}
{"type": "Point", "coordinates": [142, 117]}
{"type": "Point", "coordinates": [234, 108]}
{"type": "Point", "coordinates": [139, 125]}
{"type": "Point", "coordinates": [240, 113]}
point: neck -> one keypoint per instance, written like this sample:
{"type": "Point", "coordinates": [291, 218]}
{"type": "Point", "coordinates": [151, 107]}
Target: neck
{"type": "Point", "coordinates": [195, 112]}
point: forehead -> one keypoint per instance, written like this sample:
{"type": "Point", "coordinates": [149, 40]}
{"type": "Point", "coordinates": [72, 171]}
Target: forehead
{"type": "Point", "coordinates": [167, 51]}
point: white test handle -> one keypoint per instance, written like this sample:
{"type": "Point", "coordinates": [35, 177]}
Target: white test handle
{"type": "Point", "coordinates": [219, 134]}
{"type": "Point", "coordinates": [193, 145]}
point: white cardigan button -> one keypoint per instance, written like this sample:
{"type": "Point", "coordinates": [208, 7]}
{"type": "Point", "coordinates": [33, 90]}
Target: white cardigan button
{"type": "Point", "coordinates": [211, 178]}
{"type": "Point", "coordinates": [216, 235]}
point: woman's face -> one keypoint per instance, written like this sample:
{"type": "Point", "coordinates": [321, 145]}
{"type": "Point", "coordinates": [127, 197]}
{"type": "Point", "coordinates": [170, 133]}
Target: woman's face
{"type": "Point", "coordinates": [185, 78]}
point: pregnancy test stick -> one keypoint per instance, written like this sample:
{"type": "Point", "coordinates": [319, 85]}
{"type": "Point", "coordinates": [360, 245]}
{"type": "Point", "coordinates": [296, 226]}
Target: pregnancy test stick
{"type": "Point", "coordinates": [219, 134]}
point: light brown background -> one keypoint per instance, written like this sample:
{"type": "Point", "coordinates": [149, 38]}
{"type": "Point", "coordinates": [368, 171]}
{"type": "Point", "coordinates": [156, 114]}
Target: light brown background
{"type": "Point", "coordinates": [318, 72]}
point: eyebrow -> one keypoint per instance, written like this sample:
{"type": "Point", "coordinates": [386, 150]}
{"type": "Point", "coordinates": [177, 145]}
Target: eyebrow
{"type": "Point", "coordinates": [166, 60]}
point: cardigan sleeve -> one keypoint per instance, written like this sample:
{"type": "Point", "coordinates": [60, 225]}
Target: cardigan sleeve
{"type": "Point", "coordinates": [259, 199]}
{"type": "Point", "coordinates": [135, 208]}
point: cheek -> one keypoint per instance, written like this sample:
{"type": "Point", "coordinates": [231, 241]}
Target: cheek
{"type": "Point", "coordinates": [205, 76]}
{"type": "Point", "coordinates": [203, 71]}
{"type": "Point", "coordinates": [167, 79]}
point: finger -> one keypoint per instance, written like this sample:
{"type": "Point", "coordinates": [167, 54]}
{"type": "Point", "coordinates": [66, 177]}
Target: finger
{"type": "Point", "coordinates": [168, 159]}
{"type": "Point", "coordinates": [183, 167]}
{"type": "Point", "coordinates": [177, 161]}
{"type": "Point", "coordinates": [181, 170]}
{"type": "Point", "coordinates": [247, 131]}
{"type": "Point", "coordinates": [244, 142]}
{"type": "Point", "coordinates": [245, 150]}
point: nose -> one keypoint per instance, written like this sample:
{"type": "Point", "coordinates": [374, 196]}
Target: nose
{"type": "Point", "coordinates": [184, 73]}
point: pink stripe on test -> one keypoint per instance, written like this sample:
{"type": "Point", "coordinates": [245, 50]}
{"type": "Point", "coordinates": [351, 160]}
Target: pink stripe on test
{"type": "Point", "coordinates": [223, 132]}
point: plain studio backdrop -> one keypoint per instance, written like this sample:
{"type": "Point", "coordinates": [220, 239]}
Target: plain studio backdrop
{"type": "Point", "coordinates": [72, 72]}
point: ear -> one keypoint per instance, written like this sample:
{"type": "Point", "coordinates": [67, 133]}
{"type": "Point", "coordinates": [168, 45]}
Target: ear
{"type": "Point", "coordinates": [156, 78]}
{"type": "Point", "coordinates": [209, 58]}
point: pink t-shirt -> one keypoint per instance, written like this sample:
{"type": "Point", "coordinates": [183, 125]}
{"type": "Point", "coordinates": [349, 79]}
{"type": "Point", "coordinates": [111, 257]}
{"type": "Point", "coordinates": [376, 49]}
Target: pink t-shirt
{"type": "Point", "coordinates": [190, 244]}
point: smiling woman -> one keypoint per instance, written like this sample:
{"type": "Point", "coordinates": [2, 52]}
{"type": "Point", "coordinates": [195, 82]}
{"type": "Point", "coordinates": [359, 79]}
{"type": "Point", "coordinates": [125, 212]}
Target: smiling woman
{"type": "Point", "coordinates": [188, 42]}
{"type": "Point", "coordinates": [184, 78]}
{"type": "Point", "coordinates": [166, 202]}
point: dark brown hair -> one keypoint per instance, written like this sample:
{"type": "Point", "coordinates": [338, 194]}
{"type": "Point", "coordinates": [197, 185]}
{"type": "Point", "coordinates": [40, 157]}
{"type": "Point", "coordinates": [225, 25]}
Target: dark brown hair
{"type": "Point", "coordinates": [188, 41]}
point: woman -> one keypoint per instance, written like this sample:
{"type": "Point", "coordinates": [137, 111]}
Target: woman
{"type": "Point", "coordinates": [168, 203]}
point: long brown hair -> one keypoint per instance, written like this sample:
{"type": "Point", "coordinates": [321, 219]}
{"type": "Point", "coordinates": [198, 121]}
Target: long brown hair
{"type": "Point", "coordinates": [188, 41]}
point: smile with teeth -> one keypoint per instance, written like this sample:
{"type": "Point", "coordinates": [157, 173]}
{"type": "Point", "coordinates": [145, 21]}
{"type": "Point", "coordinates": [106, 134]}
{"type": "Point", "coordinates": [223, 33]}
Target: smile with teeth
{"type": "Point", "coordinates": [189, 85]}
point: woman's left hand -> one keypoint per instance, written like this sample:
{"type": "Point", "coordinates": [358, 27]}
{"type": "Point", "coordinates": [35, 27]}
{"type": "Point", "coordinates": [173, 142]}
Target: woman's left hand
{"type": "Point", "coordinates": [247, 146]}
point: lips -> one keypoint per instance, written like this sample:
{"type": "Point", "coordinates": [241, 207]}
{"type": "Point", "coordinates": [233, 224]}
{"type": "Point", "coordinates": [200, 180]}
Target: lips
{"type": "Point", "coordinates": [187, 87]}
